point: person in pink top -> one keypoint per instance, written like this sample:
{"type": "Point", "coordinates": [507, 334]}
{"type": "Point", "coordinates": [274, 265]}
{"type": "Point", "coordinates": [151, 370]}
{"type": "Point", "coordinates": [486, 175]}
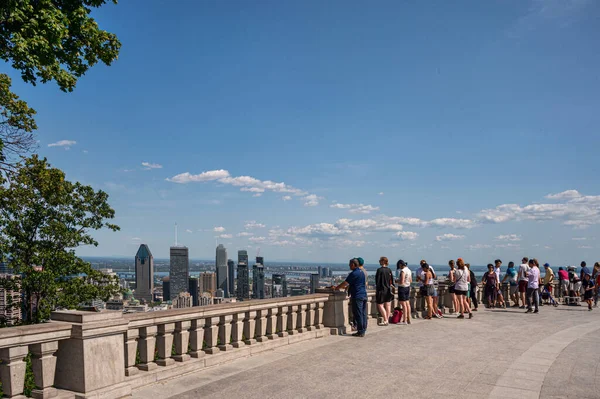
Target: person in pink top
{"type": "Point", "coordinates": [563, 280]}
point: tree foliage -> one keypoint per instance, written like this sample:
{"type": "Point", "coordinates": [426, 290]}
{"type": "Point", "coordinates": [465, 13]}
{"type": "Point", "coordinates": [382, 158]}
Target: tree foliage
{"type": "Point", "coordinates": [43, 218]}
{"type": "Point", "coordinates": [45, 40]}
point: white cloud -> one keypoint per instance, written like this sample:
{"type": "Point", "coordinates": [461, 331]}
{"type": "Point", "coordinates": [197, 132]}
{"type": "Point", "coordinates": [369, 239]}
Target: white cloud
{"type": "Point", "coordinates": [257, 195]}
{"type": "Point", "coordinates": [252, 224]}
{"type": "Point", "coordinates": [286, 198]}
{"type": "Point", "coordinates": [407, 235]}
{"type": "Point", "coordinates": [257, 239]}
{"type": "Point", "coordinates": [449, 237]}
{"type": "Point", "coordinates": [219, 229]}
{"type": "Point", "coordinates": [253, 189]}
{"type": "Point", "coordinates": [189, 231]}
{"type": "Point", "coordinates": [136, 239]}
{"type": "Point", "coordinates": [149, 165]}
{"type": "Point", "coordinates": [225, 236]}
{"type": "Point", "coordinates": [311, 200]}
{"type": "Point", "coordinates": [452, 223]}
{"type": "Point", "coordinates": [211, 175]}
{"type": "Point", "coordinates": [381, 193]}
{"type": "Point", "coordinates": [475, 247]}
{"type": "Point", "coordinates": [585, 247]}
{"type": "Point", "coordinates": [509, 237]}
{"type": "Point", "coordinates": [579, 238]}
{"type": "Point", "coordinates": [67, 144]}
{"type": "Point", "coordinates": [356, 208]}
{"type": "Point", "coordinates": [569, 194]}
{"type": "Point", "coordinates": [85, 151]}
{"type": "Point", "coordinates": [244, 234]}
{"type": "Point", "coordinates": [317, 230]}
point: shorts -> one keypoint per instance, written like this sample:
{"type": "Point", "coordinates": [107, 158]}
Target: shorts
{"type": "Point", "coordinates": [383, 296]}
{"type": "Point", "coordinates": [523, 286]}
{"type": "Point", "coordinates": [548, 287]}
{"type": "Point", "coordinates": [588, 295]}
{"type": "Point", "coordinates": [451, 289]}
{"type": "Point", "coordinates": [513, 289]}
{"type": "Point", "coordinates": [459, 292]}
{"type": "Point", "coordinates": [565, 285]}
{"type": "Point", "coordinates": [429, 290]}
{"type": "Point", "coordinates": [434, 294]}
{"type": "Point", "coordinates": [403, 294]}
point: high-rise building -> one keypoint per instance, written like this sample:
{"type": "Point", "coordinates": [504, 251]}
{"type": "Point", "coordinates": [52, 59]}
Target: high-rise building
{"type": "Point", "coordinates": [208, 282]}
{"type": "Point", "coordinates": [320, 271]}
{"type": "Point", "coordinates": [279, 286]}
{"type": "Point", "coordinates": [258, 281]}
{"type": "Point", "coordinates": [260, 260]}
{"type": "Point", "coordinates": [314, 283]}
{"type": "Point", "coordinates": [243, 256]}
{"type": "Point", "coordinates": [194, 289]}
{"type": "Point", "coordinates": [179, 270]}
{"type": "Point", "coordinates": [166, 289]}
{"type": "Point", "coordinates": [144, 274]}
{"type": "Point", "coordinates": [231, 277]}
{"type": "Point", "coordinates": [10, 300]}
{"type": "Point", "coordinates": [243, 282]}
{"type": "Point", "coordinates": [221, 266]}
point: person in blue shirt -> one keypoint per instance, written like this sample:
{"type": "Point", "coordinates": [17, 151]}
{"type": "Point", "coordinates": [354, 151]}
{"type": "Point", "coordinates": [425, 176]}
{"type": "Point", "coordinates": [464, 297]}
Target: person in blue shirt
{"type": "Point", "coordinates": [356, 284]}
{"type": "Point", "coordinates": [511, 276]}
{"type": "Point", "coordinates": [584, 270]}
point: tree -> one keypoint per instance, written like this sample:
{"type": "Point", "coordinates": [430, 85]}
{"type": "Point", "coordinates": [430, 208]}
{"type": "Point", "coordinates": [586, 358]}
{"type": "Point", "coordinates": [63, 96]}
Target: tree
{"type": "Point", "coordinates": [46, 40]}
{"type": "Point", "coordinates": [43, 218]}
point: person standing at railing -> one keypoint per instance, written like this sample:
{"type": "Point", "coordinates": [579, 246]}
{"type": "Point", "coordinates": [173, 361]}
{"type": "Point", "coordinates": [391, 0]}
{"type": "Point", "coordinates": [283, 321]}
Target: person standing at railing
{"type": "Point", "coordinates": [489, 282]}
{"type": "Point", "coordinates": [434, 296]}
{"type": "Point", "coordinates": [451, 283]}
{"type": "Point", "coordinates": [596, 278]}
{"type": "Point", "coordinates": [404, 280]}
{"type": "Point", "coordinates": [427, 290]}
{"type": "Point", "coordinates": [461, 287]}
{"type": "Point", "coordinates": [358, 291]}
{"type": "Point", "coordinates": [533, 286]}
{"type": "Point", "coordinates": [500, 296]}
{"type": "Point", "coordinates": [511, 276]}
{"type": "Point", "coordinates": [563, 282]}
{"type": "Point", "coordinates": [548, 279]}
{"type": "Point", "coordinates": [523, 269]}
{"type": "Point", "coordinates": [384, 280]}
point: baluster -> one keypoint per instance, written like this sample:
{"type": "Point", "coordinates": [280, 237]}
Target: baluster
{"type": "Point", "coordinates": [12, 370]}
{"type": "Point", "coordinates": [211, 333]}
{"type": "Point", "coordinates": [197, 338]}
{"type": "Point", "coordinates": [292, 316]}
{"type": "Point", "coordinates": [373, 304]}
{"type": "Point", "coordinates": [182, 338]}
{"type": "Point", "coordinates": [131, 345]}
{"type": "Point", "coordinates": [43, 365]}
{"type": "Point", "coordinates": [146, 345]}
{"type": "Point", "coordinates": [225, 332]}
{"type": "Point", "coordinates": [310, 317]}
{"type": "Point", "coordinates": [261, 325]}
{"type": "Point", "coordinates": [237, 330]}
{"type": "Point", "coordinates": [272, 323]}
{"type": "Point", "coordinates": [250, 327]}
{"type": "Point", "coordinates": [165, 344]}
{"type": "Point", "coordinates": [282, 321]}
{"type": "Point", "coordinates": [301, 321]}
{"type": "Point", "coordinates": [319, 309]}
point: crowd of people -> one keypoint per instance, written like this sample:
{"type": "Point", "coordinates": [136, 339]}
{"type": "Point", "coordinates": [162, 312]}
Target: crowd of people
{"type": "Point", "coordinates": [524, 285]}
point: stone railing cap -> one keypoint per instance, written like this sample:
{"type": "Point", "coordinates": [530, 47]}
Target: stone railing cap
{"type": "Point", "coordinates": [77, 316]}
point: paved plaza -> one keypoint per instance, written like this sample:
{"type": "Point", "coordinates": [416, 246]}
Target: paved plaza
{"type": "Point", "coordinates": [497, 354]}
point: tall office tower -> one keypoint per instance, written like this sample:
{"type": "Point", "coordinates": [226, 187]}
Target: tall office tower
{"type": "Point", "coordinates": [314, 283]}
{"type": "Point", "coordinates": [260, 260]}
{"type": "Point", "coordinates": [243, 282]}
{"type": "Point", "coordinates": [179, 271]}
{"type": "Point", "coordinates": [166, 289]}
{"type": "Point", "coordinates": [208, 282]}
{"type": "Point", "coordinates": [320, 271]}
{"type": "Point", "coordinates": [258, 281]}
{"type": "Point", "coordinates": [144, 274]}
{"type": "Point", "coordinates": [194, 289]}
{"type": "Point", "coordinates": [231, 277]}
{"type": "Point", "coordinates": [221, 266]}
{"type": "Point", "coordinates": [243, 256]}
{"type": "Point", "coordinates": [278, 286]}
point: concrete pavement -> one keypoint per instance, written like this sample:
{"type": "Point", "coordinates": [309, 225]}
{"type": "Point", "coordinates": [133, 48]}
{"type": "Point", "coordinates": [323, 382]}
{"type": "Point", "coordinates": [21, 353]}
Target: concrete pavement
{"type": "Point", "coordinates": [499, 353]}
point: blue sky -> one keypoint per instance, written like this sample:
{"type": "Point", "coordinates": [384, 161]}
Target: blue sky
{"type": "Point", "coordinates": [396, 128]}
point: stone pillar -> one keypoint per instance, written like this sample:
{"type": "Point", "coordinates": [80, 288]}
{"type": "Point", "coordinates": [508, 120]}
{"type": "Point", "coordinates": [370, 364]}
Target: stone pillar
{"type": "Point", "coordinates": [146, 345]}
{"type": "Point", "coordinates": [272, 323]}
{"type": "Point", "coordinates": [91, 363]}
{"type": "Point", "coordinates": [372, 305]}
{"type": "Point", "coordinates": [182, 338]}
{"type": "Point", "coordinates": [282, 321]}
{"type": "Point", "coordinates": [261, 325]}
{"type": "Point", "coordinates": [250, 327]}
{"type": "Point", "coordinates": [225, 332]}
{"type": "Point", "coordinates": [292, 316]}
{"type": "Point", "coordinates": [197, 338]}
{"type": "Point", "coordinates": [310, 317]}
{"type": "Point", "coordinates": [43, 365]}
{"type": "Point", "coordinates": [12, 369]}
{"type": "Point", "coordinates": [165, 344]}
{"type": "Point", "coordinates": [237, 330]}
{"type": "Point", "coordinates": [335, 312]}
{"type": "Point", "coordinates": [211, 332]}
{"type": "Point", "coordinates": [319, 307]}
{"type": "Point", "coordinates": [131, 345]}
{"type": "Point", "coordinates": [413, 301]}
{"type": "Point", "coordinates": [301, 321]}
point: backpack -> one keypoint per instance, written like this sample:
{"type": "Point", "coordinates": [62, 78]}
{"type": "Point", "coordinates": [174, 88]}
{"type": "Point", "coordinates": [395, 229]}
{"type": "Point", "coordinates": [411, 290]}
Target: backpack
{"type": "Point", "coordinates": [396, 316]}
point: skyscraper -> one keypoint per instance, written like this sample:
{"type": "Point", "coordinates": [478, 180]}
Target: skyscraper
{"type": "Point", "coordinates": [260, 260]}
{"type": "Point", "coordinates": [243, 282]}
{"type": "Point", "coordinates": [144, 274]}
{"type": "Point", "coordinates": [194, 289]}
{"type": "Point", "coordinates": [221, 266]}
{"type": "Point", "coordinates": [166, 289]}
{"type": "Point", "coordinates": [258, 281]}
{"type": "Point", "coordinates": [243, 256]}
{"type": "Point", "coordinates": [179, 270]}
{"type": "Point", "coordinates": [279, 286]}
{"type": "Point", "coordinates": [314, 283]}
{"type": "Point", "coordinates": [208, 282]}
{"type": "Point", "coordinates": [231, 277]}
{"type": "Point", "coordinates": [320, 270]}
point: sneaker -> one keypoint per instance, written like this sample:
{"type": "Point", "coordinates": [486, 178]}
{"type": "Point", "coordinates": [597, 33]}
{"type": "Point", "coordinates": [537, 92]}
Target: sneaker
{"type": "Point", "coordinates": [403, 323]}
{"type": "Point", "coordinates": [536, 311]}
{"type": "Point", "coordinates": [515, 305]}
{"type": "Point", "coordinates": [529, 311]}
{"type": "Point", "coordinates": [470, 315]}
{"type": "Point", "coordinates": [357, 334]}
{"type": "Point", "coordinates": [439, 314]}
{"type": "Point", "coordinates": [461, 316]}
{"type": "Point", "coordinates": [522, 307]}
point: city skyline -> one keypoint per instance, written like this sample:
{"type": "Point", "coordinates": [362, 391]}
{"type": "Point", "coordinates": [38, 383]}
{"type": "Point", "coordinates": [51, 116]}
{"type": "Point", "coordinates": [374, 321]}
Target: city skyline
{"type": "Point", "coordinates": [391, 131]}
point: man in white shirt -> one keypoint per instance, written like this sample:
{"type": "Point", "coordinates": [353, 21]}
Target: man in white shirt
{"type": "Point", "coordinates": [499, 297]}
{"type": "Point", "coordinates": [523, 280]}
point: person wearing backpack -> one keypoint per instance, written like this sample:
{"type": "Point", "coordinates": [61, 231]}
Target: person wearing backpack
{"type": "Point", "coordinates": [404, 281]}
